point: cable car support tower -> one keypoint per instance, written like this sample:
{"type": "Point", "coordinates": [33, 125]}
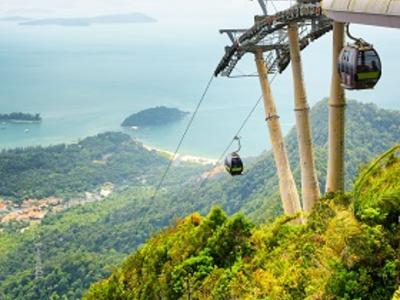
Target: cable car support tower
{"type": "Point", "coordinates": [275, 40]}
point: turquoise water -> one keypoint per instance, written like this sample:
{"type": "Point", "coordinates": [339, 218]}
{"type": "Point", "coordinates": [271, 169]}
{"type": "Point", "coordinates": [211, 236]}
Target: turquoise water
{"type": "Point", "coordinates": [85, 81]}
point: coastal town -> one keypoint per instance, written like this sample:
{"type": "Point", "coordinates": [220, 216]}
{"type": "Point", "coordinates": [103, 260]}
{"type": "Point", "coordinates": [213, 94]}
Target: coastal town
{"type": "Point", "coordinates": [36, 209]}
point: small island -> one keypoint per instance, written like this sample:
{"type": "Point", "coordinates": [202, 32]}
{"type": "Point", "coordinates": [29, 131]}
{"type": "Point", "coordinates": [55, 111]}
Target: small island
{"type": "Point", "coordinates": [156, 116]}
{"type": "Point", "coordinates": [130, 18]}
{"type": "Point", "coordinates": [18, 117]}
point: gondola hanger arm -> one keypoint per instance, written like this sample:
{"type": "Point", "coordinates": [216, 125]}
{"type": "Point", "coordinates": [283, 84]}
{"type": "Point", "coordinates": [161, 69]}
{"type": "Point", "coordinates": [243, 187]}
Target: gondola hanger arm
{"type": "Point", "coordinates": [358, 41]}
{"type": "Point", "coordinates": [237, 138]}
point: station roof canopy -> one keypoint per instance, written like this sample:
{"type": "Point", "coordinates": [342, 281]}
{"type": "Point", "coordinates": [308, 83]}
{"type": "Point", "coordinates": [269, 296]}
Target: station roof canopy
{"type": "Point", "coordinates": [384, 13]}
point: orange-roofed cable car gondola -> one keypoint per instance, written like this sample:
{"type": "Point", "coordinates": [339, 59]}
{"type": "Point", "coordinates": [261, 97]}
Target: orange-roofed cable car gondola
{"type": "Point", "coordinates": [359, 65]}
{"type": "Point", "coordinates": [233, 162]}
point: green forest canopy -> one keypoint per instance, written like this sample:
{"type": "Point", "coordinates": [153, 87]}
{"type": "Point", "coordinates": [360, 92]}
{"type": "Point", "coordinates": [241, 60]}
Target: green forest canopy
{"type": "Point", "coordinates": [65, 170]}
{"type": "Point", "coordinates": [156, 116]}
{"type": "Point", "coordinates": [91, 239]}
{"type": "Point", "coordinates": [369, 131]}
{"type": "Point", "coordinates": [349, 249]}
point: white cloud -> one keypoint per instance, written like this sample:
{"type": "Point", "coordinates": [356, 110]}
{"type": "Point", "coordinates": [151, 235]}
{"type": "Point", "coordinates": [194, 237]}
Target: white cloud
{"type": "Point", "coordinates": [186, 13]}
{"type": "Point", "coordinates": [179, 8]}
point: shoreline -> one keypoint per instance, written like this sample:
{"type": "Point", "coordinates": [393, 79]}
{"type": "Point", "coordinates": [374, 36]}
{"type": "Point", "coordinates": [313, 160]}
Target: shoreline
{"type": "Point", "coordinates": [182, 157]}
{"type": "Point", "coordinates": [188, 158]}
{"type": "Point", "coordinates": [4, 122]}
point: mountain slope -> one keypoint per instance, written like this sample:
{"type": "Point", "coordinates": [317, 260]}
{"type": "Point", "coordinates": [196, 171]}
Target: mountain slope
{"type": "Point", "coordinates": [67, 170]}
{"type": "Point", "coordinates": [349, 249]}
{"type": "Point", "coordinates": [103, 233]}
{"type": "Point", "coordinates": [79, 245]}
{"type": "Point", "coordinates": [369, 131]}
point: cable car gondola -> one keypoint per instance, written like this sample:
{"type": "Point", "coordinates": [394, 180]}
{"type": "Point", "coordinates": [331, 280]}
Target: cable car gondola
{"type": "Point", "coordinates": [359, 65]}
{"type": "Point", "coordinates": [233, 162]}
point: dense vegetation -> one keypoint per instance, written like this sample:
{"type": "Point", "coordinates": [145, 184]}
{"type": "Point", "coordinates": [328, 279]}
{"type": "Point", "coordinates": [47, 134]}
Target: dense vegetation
{"type": "Point", "coordinates": [156, 116]}
{"type": "Point", "coordinates": [82, 244]}
{"type": "Point", "coordinates": [20, 117]}
{"type": "Point", "coordinates": [78, 246]}
{"type": "Point", "coordinates": [349, 249]}
{"type": "Point", "coordinates": [369, 131]}
{"type": "Point", "coordinates": [64, 170]}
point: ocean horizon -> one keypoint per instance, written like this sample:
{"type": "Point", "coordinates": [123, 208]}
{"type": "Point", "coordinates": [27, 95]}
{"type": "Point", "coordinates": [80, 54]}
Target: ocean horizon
{"type": "Point", "coordinates": [85, 81]}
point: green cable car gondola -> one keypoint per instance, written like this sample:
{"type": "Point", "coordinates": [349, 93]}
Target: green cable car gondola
{"type": "Point", "coordinates": [233, 162]}
{"type": "Point", "coordinates": [359, 65]}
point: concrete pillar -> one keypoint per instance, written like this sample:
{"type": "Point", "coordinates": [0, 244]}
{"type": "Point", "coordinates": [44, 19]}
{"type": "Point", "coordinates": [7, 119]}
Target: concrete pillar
{"type": "Point", "coordinates": [337, 106]}
{"type": "Point", "coordinates": [309, 181]}
{"type": "Point", "coordinates": [287, 186]}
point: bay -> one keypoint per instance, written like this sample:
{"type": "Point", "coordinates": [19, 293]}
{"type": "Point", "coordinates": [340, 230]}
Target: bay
{"type": "Point", "coordinates": [85, 81]}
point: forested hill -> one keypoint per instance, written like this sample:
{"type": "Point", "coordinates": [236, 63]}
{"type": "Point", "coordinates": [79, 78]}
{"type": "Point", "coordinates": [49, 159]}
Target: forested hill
{"type": "Point", "coordinates": [66, 170]}
{"type": "Point", "coordinates": [349, 249]}
{"type": "Point", "coordinates": [81, 245]}
{"type": "Point", "coordinates": [78, 246]}
{"type": "Point", "coordinates": [156, 116]}
{"type": "Point", "coordinates": [369, 131]}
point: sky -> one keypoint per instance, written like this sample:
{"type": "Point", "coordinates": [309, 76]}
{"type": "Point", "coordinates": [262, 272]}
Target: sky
{"type": "Point", "coordinates": [180, 19]}
{"type": "Point", "coordinates": [193, 25]}
{"type": "Point", "coordinates": [180, 9]}
{"type": "Point", "coordinates": [190, 13]}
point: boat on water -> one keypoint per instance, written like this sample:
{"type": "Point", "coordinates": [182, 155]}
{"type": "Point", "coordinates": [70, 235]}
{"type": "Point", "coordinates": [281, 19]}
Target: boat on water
{"type": "Point", "coordinates": [27, 130]}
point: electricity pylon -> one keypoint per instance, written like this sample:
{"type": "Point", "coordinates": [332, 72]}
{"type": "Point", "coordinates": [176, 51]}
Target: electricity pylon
{"type": "Point", "coordinates": [38, 263]}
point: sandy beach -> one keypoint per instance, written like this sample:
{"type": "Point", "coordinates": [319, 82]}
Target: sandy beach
{"type": "Point", "coordinates": [184, 158]}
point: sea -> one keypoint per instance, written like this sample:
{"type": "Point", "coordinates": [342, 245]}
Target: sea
{"type": "Point", "coordinates": [87, 80]}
